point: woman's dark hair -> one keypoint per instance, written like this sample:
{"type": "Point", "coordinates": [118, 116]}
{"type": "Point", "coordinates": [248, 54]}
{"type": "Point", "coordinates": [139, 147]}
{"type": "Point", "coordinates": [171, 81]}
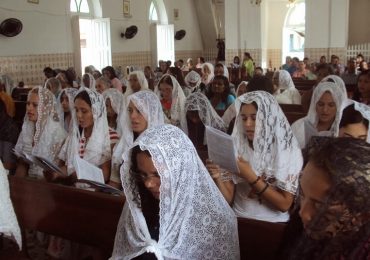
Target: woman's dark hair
{"type": "Point", "coordinates": [260, 83]}
{"type": "Point", "coordinates": [236, 57]}
{"type": "Point", "coordinates": [141, 195]}
{"type": "Point", "coordinates": [84, 96]}
{"type": "Point", "coordinates": [166, 79]}
{"type": "Point", "coordinates": [226, 92]}
{"type": "Point", "coordinates": [3, 111]}
{"type": "Point", "coordinates": [177, 73]}
{"type": "Point", "coordinates": [71, 75]}
{"type": "Point", "coordinates": [202, 59]}
{"type": "Point", "coordinates": [352, 116]}
{"type": "Point", "coordinates": [356, 93]}
{"type": "Point", "coordinates": [111, 71]}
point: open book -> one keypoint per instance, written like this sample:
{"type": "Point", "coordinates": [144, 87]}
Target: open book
{"type": "Point", "coordinates": [43, 162]}
{"type": "Point", "coordinates": [221, 149]}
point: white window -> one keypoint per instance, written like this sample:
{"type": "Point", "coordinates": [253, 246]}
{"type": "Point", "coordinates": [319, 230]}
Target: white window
{"type": "Point", "coordinates": [79, 6]}
{"type": "Point", "coordinates": [153, 15]}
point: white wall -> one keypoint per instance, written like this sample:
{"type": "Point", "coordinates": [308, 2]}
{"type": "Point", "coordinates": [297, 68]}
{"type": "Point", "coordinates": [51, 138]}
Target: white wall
{"type": "Point", "coordinates": [46, 27]}
{"type": "Point", "coordinates": [359, 29]}
{"type": "Point", "coordinates": [276, 13]}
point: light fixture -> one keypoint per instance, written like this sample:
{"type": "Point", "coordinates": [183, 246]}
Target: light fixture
{"type": "Point", "coordinates": [256, 2]}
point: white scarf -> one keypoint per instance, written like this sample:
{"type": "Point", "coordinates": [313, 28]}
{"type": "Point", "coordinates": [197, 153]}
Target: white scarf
{"type": "Point", "coordinates": [290, 95]}
{"type": "Point", "coordinates": [97, 150]}
{"type": "Point", "coordinates": [195, 220]}
{"type": "Point", "coordinates": [142, 81]}
{"type": "Point", "coordinates": [46, 135]}
{"type": "Point", "coordinates": [116, 100]}
{"type": "Point", "coordinates": [150, 107]}
{"type": "Point", "coordinates": [70, 93]}
{"type": "Point", "coordinates": [276, 153]}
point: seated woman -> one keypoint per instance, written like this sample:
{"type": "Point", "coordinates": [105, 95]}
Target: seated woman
{"type": "Point", "coordinates": [193, 83]}
{"type": "Point", "coordinates": [143, 110]}
{"type": "Point", "coordinates": [230, 112]}
{"type": "Point", "coordinates": [334, 204]}
{"type": "Point", "coordinates": [355, 121]}
{"type": "Point", "coordinates": [362, 92]}
{"type": "Point", "coordinates": [285, 91]}
{"type": "Point", "coordinates": [41, 133]}
{"type": "Point", "coordinates": [172, 99]}
{"type": "Point", "coordinates": [137, 82]}
{"type": "Point", "coordinates": [90, 138]}
{"type": "Point", "coordinates": [200, 113]}
{"type": "Point", "coordinates": [114, 104]}
{"type": "Point", "coordinates": [219, 94]}
{"type": "Point", "coordinates": [88, 81]}
{"type": "Point", "coordinates": [207, 71]}
{"type": "Point", "coordinates": [54, 86]}
{"type": "Point", "coordinates": [323, 116]}
{"type": "Point", "coordinates": [6, 98]}
{"type": "Point", "coordinates": [8, 138]}
{"type": "Point", "coordinates": [65, 106]}
{"type": "Point", "coordinates": [270, 161]}
{"type": "Point", "coordinates": [102, 84]}
{"type": "Point", "coordinates": [109, 73]}
{"type": "Point", "coordinates": [157, 218]}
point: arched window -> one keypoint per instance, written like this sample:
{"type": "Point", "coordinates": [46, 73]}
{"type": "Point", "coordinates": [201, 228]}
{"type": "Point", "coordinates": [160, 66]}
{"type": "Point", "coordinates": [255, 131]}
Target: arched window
{"type": "Point", "coordinates": [153, 15]}
{"type": "Point", "coordinates": [79, 6]}
{"type": "Point", "coordinates": [294, 31]}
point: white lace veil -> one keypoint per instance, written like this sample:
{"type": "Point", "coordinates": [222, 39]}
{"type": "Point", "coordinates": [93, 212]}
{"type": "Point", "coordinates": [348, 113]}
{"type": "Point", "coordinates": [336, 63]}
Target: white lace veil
{"type": "Point", "coordinates": [195, 221]}
{"type": "Point", "coordinates": [210, 75]}
{"type": "Point", "coordinates": [276, 153]}
{"type": "Point", "coordinates": [285, 80]}
{"type": "Point", "coordinates": [226, 72]}
{"type": "Point", "coordinates": [338, 81]}
{"type": "Point", "coordinates": [116, 99]}
{"type": "Point", "coordinates": [46, 135]}
{"type": "Point", "coordinates": [8, 220]}
{"type": "Point", "coordinates": [193, 77]}
{"type": "Point", "coordinates": [92, 82]}
{"type": "Point", "coordinates": [9, 83]}
{"type": "Point", "coordinates": [178, 116]}
{"type": "Point", "coordinates": [70, 93]}
{"type": "Point", "coordinates": [97, 150]}
{"type": "Point", "coordinates": [209, 117]}
{"type": "Point", "coordinates": [150, 107]}
{"type": "Point", "coordinates": [364, 110]}
{"type": "Point", "coordinates": [339, 95]}
{"type": "Point", "coordinates": [142, 81]}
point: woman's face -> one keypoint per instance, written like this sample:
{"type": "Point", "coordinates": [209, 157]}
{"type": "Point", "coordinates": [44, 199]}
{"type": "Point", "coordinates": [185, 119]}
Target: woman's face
{"type": "Point", "coordinates": [218, 86]}
{"type": "Point", "coordinates": [65, 102]}
{"type": "Point", "coordinates": [148, 174]}
{"type": "Point", "coordinates": [86, 80]}
{"type": "Point", "coordinates": [138, 122]}
{"type": "Point", "coordinates": [219, 71]}
{"type": "Point", "coordinates": [206, 70]}
{"type": "Point", "coordinates": [248, 115]}
{"type": "Point", "coordinates": [84, 113]}
{"type": "Point", "coordinates": [326, 108]}
{"type": "Point", "coordinates": [110, 111]}
{"type": "Point", "coordinates": [315, 184]}
{"type": "Point", "coordinates": [166, 91]}
{"type": "Point", "coordinates": [134, 83]}
{"type": "Point", "coordinates": [107, 74]}
{"type": "Point", "coordinates": [31, 108]}
{"type": "Point", "coordinates": [242, 89]}
{"type": "Point", "coordinates": [100, 87]}
{"type": "Point", "coordinates": [363, 84]}
{"type": "Point", "coordinates": [356, 130]}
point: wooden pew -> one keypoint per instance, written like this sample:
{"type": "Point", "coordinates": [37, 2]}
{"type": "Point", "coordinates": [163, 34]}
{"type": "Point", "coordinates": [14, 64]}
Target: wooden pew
{"type": "Point", "coordinates": [81, 216]}
{"type": "Point", "coordinates": [259, 239]}
{"type": "Point", "coordinates": [291, 108]}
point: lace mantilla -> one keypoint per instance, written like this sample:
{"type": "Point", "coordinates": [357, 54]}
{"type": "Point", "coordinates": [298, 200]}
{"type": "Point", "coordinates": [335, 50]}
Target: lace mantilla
{"type": "Point", "coordinates": [195, 220]}
{"type": "Point", "coordinates": [276, 153]}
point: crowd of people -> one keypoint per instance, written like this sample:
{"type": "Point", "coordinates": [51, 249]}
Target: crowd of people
{"type": "Point", "coordinates": [146, 132]}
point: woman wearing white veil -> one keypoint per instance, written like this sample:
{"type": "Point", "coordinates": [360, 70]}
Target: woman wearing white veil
{"type": "Point", "coordinates": [65, 106]}
{"type": "Point", "coordinates": [141, 106]}
{"type": "Point", "coordinates": [89, 138]}
{"type": "Point", "coordinates": [114, 102]}
{"type": "Point", "coordinates": [269, 161]}
{"type": "Point", "coordinates": [41, 133]}
{"type": "Point", "coordinates": [323, 115]}
{"type": "Point", "coordinates": [137, 82]}
{"type": "Point", "coordinates": [158, 218]}
{"type": "Point", "coordinates": [283, 81]}
{"type": "Point", "coordinates": [88, 81]}
{"type": "Point", "coordinates": [230, 112]}
{"type": "Point", "coordinates": [207, 70]}
{"type": "Point", "coordinates": [172, 99]}
{"type": "Point", "coordinates": [193, 83]}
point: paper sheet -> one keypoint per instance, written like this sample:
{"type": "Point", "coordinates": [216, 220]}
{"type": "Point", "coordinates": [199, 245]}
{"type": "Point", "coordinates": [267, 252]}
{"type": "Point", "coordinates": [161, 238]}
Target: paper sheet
{"type": "Point", "coordinates": [87, 171]}
{"type": "Point", "coordinates": [221, 149]}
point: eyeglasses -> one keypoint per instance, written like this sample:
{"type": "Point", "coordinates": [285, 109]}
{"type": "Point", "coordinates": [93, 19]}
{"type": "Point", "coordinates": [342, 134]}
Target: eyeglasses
{"type": "Point", "coordinates": [143, 177]}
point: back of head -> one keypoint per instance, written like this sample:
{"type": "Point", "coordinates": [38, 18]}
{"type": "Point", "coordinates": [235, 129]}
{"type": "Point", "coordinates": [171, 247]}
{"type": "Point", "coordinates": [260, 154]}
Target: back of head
{"type": "Point", "coordinates": [260, 83]}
